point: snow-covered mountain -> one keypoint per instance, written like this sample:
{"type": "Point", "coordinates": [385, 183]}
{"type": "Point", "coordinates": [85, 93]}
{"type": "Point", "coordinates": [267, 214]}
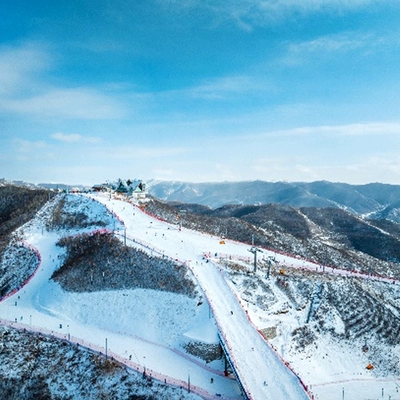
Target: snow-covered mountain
{"type": "Point", "coordinates": [360, 199]}
{"type": "Point", "coordinates": [104, 281]}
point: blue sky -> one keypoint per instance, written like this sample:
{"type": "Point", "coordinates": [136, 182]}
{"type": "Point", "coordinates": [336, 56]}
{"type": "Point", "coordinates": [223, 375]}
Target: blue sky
{"type": "Point", "coordinates": [200, 90]}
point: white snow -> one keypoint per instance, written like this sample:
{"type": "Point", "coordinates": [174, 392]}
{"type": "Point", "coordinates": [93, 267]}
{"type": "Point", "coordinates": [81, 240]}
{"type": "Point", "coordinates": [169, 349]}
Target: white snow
{"type": "Point", "coordinates": [260, 370]}
{"type": "Point", "coordinates": [138, 329]}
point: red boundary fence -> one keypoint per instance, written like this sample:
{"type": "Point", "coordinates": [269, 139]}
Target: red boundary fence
{"type": "Point", "coordinates": [222, 335]}
{"type": "Point", "coordinates": [310, 395]}
{"type": "Point", "coordinates": [147, 372]}
{"type": "Point", "coordinates": [137, 367]}
{"type": "Point", "coordinates": [339, 270]}
{"type": "Point", "coordinates": [150, 374]}
{"type": "Point", "coordinates": [342, 271]}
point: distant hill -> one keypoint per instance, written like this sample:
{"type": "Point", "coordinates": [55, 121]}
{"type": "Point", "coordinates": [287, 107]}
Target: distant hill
{"type": "Point", "coordinates": [383, 200]}
{"type": "Point", "coordinates": [330, 235]}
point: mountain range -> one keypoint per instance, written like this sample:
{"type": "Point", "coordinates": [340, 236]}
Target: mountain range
{"type": "Point", "coordinates": [378, 200]}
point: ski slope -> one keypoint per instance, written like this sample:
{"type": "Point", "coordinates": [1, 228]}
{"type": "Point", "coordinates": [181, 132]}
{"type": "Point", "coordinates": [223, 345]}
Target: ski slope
{"type": "Point", "coordinates": [145, 328]}
{"type": "Point", "coordinates": [261, 372]}
{"type": "Point", "coordinates": [113, 321]}
{"type": "Point", "coordinates": [103, 321]}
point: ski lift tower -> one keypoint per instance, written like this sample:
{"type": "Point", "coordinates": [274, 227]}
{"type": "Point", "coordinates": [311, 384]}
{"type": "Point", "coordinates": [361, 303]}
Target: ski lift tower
{"type": "Point", "coordinates": [254, 250]}
{"type": "Point", "coordinates": [270, 259]}
{"type": "Point", "coordinates": [180, 216]}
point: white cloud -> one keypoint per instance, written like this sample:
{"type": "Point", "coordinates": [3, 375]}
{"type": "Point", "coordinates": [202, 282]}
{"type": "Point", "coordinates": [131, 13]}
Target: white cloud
{"type": "Point", "coordinates": [130, 152]}
{"type": "Point", "coordinates": [31, 151]}
{"type": "Point", "coordinates": [24, 89]}
{"type": "Point", "coordinates": [382, 168]}
{"type": "Point", "coordinates": [357, 129]}
{"type": "Point", "coordinates": [74, 137]}
{"type": "Point", "coordinates": [27, 146]}
{"type": "Point", "coordinates": [247, 14]}
{"type": "Point", "coordinates": [331, 45]}
{"type": "Point", "coordinates": [223, 87]}
{"type": "Point", "coordinates": [225, 172]}
{"type": "Point", "coordinates": [163, 174]}
{"type": "Point", "coordinates": [311, 5]}
{"type": "Point", "coordinates": [283, 168]}
{"type": "Point", "coordinates": [20, 66]}
{"type": "Point", "coordinates": [79, 103]}
{"type": "Point", "coordinates": [379, 168]}
{"type": "Point", "coordinates": [376, 128]}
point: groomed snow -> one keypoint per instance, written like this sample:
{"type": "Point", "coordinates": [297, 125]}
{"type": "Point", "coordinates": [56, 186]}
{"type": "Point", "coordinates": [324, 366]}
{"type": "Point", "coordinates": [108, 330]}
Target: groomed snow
{"type": "Point", "coordinates": [145, 337]}
{"type": "Point", "coordinates": [261, 372]}
{"type": "Point", "coordinates": [140, 327]}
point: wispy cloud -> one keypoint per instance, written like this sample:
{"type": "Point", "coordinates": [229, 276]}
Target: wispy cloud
{"type": "Point", "coordinates": [358, 129]}
{"type": "Point", "coordinates": [27, 146]}
{"type": "Point", "coordinates": [24, 89]}
{"type": "Point", "coordinates": [310, 5]}
{"type": "Point", "coordinates": [131, 152]}
{"type": "Point", "coordinates": [20, 67]}
{"type": "Point", "coordinates": [223, 87]}
{"type": "Point", "coordinates": [79, 103]}
{"type": "Point", "coordinates": [225, 172]}
{"type": "Point", "coordinates": [331, 46]}
{"type": "Point", "coordinates": [74, 137]}
{"type": "Point", "coordinates": [382, 168]}
{"type": "Point", "coordinates": [247, 14]}
{"type": "Point", "coordinates": [31, 151]}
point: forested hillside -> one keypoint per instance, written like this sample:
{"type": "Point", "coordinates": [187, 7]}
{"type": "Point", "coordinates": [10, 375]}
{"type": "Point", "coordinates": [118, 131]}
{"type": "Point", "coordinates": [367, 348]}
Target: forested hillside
{"type": "Point", "coordinates": [18, 205]}
{"type": "Point", "coordinates": [330, 236]}
{"type": "Point", "coordinates": [99, 261]}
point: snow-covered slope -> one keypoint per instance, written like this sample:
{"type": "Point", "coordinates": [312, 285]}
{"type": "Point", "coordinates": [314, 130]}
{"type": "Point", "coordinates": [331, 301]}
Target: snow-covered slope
{"type": "Point", "coordinates": [260, 371]}
{"type": "Point", "coordinates": [41, 367]}
{"type": "Point", "coordinates": [148, 329]}
{"type": "Point", "coordinates": [144, 328]}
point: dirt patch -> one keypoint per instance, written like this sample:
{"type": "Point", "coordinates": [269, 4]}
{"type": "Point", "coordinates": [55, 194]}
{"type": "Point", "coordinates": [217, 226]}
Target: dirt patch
{"type": "Point", "coordinates": [205, 351]}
